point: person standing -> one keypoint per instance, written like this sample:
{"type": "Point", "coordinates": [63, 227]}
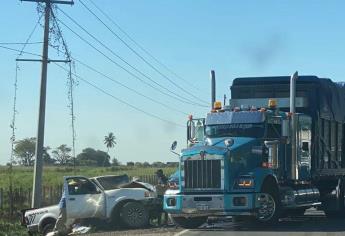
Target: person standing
{"type": "Point", "coordinates": [161, 187]}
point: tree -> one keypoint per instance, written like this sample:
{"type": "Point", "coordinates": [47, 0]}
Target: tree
{"type": "Point", "coordinates": [146, 164]}
{"type": "Point", "coordinates": [109, 141]}
{"type": "Point", "coordinates": [24, 151]}
{"type": "Point", "coordinates": [115, 162]}
{"type": "Point", "coordinates": [91, 157]}
{"type": "Point", "coordinates": [62, 154]}
{"type": "Point", "coordinates": [47, 159]}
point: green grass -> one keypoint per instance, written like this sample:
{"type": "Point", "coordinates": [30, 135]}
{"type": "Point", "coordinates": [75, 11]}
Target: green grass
{"type": "Point", "coordinates": [8, 228]}
{"type": "Point", "coordinates": [53, 176]}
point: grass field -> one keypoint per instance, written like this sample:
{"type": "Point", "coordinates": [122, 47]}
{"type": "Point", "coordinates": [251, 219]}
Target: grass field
{"type": "Point", "coordinates": [53, 176]}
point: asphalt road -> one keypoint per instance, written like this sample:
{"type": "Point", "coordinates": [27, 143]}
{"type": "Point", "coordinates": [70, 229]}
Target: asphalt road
{"type": "Point", "coordinates": [313, 223]}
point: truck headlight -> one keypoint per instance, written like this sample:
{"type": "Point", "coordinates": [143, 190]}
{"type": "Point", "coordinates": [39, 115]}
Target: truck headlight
{"type": "Point", "coordinates": [245, 182]}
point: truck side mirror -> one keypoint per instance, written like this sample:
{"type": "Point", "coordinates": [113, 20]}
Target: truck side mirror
{"type": "Point", "coordinates": [190, 130]}
{"type": "Point", "coordinates": [173, 146]}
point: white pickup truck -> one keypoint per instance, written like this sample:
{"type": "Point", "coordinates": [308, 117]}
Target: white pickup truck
{"type": "Point", "coordinates": [113, 199]}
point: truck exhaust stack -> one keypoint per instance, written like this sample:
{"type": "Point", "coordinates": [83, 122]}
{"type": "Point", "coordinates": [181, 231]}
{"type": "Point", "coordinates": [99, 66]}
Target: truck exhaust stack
{"type": "Point", "coordinates": [213, 88]}
{"type": "Point", "coordinates": [294, 171]}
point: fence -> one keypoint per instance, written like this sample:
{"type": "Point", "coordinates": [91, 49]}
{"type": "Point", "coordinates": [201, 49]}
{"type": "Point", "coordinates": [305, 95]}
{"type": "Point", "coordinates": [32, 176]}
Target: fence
{"type": "Point", "coordinates": [18, 198]}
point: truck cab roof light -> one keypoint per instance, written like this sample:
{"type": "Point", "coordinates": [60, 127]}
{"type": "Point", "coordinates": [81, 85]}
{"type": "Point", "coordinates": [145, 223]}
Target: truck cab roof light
{"type": "Point", "coordinates": [217, 105]}
{"type": "Point", "coordinates": [272, 103]}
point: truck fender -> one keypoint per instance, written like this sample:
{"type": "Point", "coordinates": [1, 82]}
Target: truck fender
{"type": "Point", "coordinates": [261, 178]}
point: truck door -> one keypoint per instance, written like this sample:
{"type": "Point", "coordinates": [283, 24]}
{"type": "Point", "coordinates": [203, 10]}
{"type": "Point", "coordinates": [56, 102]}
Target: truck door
{"type": "Point", "coordinates": [304, 146]}
{"type": "Point", "coordinates": [83, 198]}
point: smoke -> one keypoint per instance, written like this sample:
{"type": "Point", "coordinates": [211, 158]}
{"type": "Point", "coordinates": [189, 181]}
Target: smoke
{"type": "Point", "coordinates": [262, 54]}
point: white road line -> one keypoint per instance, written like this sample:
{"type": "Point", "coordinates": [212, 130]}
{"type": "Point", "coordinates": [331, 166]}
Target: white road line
{"type": "Point", "coordinates": [182, 232]}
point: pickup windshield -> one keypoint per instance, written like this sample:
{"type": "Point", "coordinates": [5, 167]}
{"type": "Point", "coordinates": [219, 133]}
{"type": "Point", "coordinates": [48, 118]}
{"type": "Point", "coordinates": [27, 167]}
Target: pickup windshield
{"type": "Point", "coordinates": [256, 130]}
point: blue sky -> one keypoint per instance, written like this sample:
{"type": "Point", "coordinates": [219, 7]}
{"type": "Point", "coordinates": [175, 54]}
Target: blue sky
{"type": "Point", "coordinates": [235, 38]}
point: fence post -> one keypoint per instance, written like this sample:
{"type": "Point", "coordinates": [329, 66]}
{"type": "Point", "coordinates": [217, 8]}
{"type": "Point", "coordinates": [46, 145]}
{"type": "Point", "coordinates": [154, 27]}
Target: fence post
{"type": "Point", "coordinates": [1, 198]}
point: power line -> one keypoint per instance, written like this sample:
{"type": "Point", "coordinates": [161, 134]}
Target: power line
{"type": "Point", "coordinates": [131, 89]}
{"type": "Point", "coordinates": [122, 101]}
{"type": "Point", "coordinates": [141, 47]}
{"type": "Point", "coordinates": [176, 97]}
{"type": "Point", "coordinates": [19, 43]}
{"type": "Point", "coordinates": [127, 87]}
{"type": "Point", "coordinates": [30, 35]}
{"type": "Point", "coordinates": [103, 91]}
{"type": "Point", "coordinates": [17, 50]}
{"type": "Point", "coordinates": [141, 57]}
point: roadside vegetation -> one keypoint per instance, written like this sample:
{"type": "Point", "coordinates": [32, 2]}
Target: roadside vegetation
{"type": "Point", "coordinates": [53, 175]}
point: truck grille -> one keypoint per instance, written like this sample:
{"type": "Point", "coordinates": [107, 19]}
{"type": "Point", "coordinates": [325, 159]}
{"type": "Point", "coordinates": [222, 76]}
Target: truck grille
{"type": "Point", "coordinates": [202, 174]}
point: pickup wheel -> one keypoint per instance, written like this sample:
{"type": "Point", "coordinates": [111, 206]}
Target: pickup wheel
{"type": "Point", "coordinates": [134, 215]}
{"type": "Point", "coordinates": [190, 222]}
{"type": "Point", "coordinates": [48, 228]}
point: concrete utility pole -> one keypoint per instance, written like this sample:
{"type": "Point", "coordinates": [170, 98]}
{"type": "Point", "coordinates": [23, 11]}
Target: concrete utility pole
{"type": "Point", "coordinates": [37, 185]}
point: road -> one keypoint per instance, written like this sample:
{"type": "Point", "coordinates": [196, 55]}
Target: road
{"type": "Point", "coordinates": [313, 223]}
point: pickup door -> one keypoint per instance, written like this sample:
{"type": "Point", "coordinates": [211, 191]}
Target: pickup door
{"type": "Point", "coordinates": [83, 198]}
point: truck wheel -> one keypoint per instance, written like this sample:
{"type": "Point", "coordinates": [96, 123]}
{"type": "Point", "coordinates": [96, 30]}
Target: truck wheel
{"type": "Point", "coordinates": [190, 222]}
{"type": "Point", "coordinates": [48, 228]}
{"type": "Point", "coordinates": [339, 200]}
{"type": "Point", "coordinates": [134, 215]}
{"type": "Point", "coordinates": [269, 207]}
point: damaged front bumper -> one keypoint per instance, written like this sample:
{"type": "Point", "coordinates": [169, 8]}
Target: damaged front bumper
{"type": "Point", "coordinates": [231, 204]}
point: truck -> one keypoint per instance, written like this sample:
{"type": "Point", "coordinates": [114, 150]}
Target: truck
{"type": "Point", "coordinates": [275, 150]}
{"type": "Point", "coordinates": [112, 198]}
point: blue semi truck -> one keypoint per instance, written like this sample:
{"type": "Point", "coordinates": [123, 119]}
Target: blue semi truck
{"type": "Point", "coordinates": [276, 150]}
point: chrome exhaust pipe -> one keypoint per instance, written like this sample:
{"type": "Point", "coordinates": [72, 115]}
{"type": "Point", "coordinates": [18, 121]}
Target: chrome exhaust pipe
{"type": "Point", "coordinates": [294, 169]}
{"type": "Point", "coordinates": [213, 88]}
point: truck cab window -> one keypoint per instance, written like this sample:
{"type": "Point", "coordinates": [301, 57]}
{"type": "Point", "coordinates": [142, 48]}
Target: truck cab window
{"type": "Point", "coordinates": [78, 186]}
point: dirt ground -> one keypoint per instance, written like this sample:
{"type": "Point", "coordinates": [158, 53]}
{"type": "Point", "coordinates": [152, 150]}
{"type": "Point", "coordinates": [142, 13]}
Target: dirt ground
{"type": "Point", "coordinates": [164, 231]}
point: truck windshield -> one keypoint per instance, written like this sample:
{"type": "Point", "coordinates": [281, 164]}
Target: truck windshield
{"type": "Point", "coordinates": [256, 130]}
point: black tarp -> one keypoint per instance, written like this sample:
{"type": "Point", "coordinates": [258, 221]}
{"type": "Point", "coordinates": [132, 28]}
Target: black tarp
{"type": "Point", "coordinates": [324, 96]}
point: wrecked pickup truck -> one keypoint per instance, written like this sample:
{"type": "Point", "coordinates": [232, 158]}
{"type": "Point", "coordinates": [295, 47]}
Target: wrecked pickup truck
{"type": "Point", "coordinates": [113, 199]}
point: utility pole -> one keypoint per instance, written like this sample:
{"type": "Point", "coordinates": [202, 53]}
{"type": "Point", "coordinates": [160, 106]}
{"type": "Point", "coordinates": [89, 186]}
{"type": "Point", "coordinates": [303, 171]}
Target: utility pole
{"type": "Point", "coordinates": [37, 185]}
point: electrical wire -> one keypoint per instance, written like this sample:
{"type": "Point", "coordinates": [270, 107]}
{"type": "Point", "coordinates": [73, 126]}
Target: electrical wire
{"type": "Point", "coordinates": [141, 57]}
{"type": "Point", "coordinates": [30, 35]}
{"type": "Point", "coordinates": [125, 86]}
{"type": "Point", "coordinates": [19, 43]}
{"type": "Point", "coordinates": [122, 101]}
{"type": "Point", "coordinates": [141, 47]}
{"type": "Point", "coordinates": [103, 91]}
{"type": "Point", "coordinates": [177, 97]}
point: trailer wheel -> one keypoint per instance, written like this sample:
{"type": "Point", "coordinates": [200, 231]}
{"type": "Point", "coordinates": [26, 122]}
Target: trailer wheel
{"type": "Point", "coordinates": [134, 215]}
{"type": "Point", "coordinates": [269, 206]}
{"type": "Point", "coordinates": [190, 222]}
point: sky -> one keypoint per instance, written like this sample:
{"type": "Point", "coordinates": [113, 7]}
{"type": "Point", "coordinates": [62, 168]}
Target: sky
{"type": "Point", "coordinates": [234, 38]}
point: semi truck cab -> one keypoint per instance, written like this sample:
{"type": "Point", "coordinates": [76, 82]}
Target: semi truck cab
{"type": "Point", "coordinates": [257, 160]}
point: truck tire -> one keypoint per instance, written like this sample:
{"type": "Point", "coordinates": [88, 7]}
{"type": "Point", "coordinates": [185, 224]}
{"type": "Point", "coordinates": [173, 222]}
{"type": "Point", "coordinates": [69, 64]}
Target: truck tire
{"type": "Point", "coordinates": [269, 210]}
{"type": "Point", "coordinates": [49, 227]}
{"type": "Point", "coordinates": [338, 200]}
{"type": "Point", "coordinates": [134, 215]}
{"type": "Point", "coordinates": [190, 222]}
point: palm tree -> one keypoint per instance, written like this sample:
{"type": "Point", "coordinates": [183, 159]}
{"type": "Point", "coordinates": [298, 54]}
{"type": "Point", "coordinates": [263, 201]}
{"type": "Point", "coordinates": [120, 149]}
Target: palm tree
{"type": "Point", "coordinates": [109, 141]}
